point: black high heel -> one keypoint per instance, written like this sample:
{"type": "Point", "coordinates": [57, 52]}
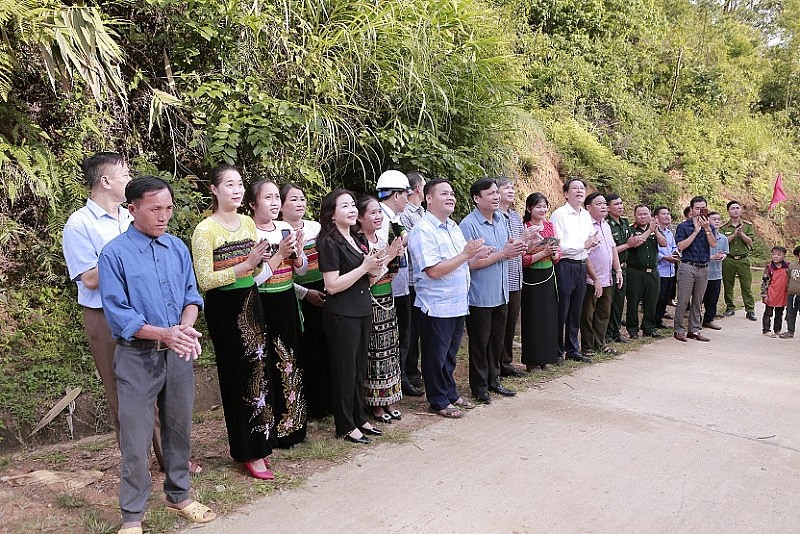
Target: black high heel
{"type": "Point", "coordinates": [371, 431]}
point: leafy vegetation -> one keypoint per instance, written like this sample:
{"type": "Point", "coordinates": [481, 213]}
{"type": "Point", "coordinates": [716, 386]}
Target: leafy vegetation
{"type": "Point", "coordinates": [656, 99]}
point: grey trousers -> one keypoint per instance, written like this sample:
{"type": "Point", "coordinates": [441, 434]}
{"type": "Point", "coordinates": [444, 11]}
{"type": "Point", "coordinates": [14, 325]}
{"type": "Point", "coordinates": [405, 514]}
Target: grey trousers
{"type": "Point", "coordinates": [144, 378]}
{"type": "Point", "coordinates": [692, 283]}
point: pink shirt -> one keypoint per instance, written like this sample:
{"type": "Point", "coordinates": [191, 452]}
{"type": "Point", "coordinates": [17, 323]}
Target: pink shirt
{"type": "Point", "coordinates": [602, 255]}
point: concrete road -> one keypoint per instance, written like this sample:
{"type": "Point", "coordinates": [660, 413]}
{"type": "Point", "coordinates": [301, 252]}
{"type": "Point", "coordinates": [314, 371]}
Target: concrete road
{"type": "Point", "coordinates": [675, 437]}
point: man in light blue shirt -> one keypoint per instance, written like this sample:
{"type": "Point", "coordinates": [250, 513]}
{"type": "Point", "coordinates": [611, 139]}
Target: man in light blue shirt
{"type": "Point", "coordinates": [85, 234]}
{"type": "Point", "coordinates": [488, 289]}
{"type": "Point", "coordinates": [668, 259]}
{"type": "Point", "coordinates": [441, 275]}
{"type": "Point", "coordinates": [717, 253]}
{"type": "Point", "coordinates": [150, 297]}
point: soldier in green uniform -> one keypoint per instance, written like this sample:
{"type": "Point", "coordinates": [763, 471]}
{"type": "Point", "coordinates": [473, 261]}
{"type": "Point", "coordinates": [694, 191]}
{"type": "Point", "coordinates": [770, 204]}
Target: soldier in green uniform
{"type": "Point", "coordinates": [621, 231]}
{"type": "Point", "coordinates": [644, 282]}
{"type": "Point", "coordinates": [740, 236]}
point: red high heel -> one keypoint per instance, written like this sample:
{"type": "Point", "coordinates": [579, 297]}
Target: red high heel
{"type": "Point", "coordinates": [261, 475]}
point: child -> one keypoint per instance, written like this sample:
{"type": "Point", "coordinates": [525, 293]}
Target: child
{"type": "Point", "coordinates": [793, 300]}
{"type": "Point", "coordinates": [774, 291]}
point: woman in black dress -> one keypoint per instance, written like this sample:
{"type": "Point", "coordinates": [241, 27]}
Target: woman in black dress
{"type": "Point", "coordinates": [347, 267]}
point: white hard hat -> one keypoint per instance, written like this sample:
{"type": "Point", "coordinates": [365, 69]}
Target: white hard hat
{"type": "Point", "coordinates": [393, 180]}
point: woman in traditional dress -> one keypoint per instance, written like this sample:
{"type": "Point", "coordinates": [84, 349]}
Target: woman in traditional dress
{"type": "Point", "coordinates": [347, 267]}
{"type": "Point", "coordinates": [382, 385]}
{"type": "Point", "coordinates": [281, 314]}
{"type": "Point", "coordinates": [226, 254]}
{"type": "Point", "coordinates": [310, 290]}
{"type": "Point", "coordinates": [539, 296]}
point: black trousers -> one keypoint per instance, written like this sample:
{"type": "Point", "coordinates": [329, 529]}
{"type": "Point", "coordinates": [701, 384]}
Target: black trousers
{"type": "Point", "coordinates": [710, 300]}
{"type": "Point", "coordinates": [571, 279]}
{"type": "Point", "coordinates": [348, 340]}
{"type": "Point", "coordinates": [410, 362]}
{"type": "Point", "coordinates": [514, 305]}
{"type": "Point", "coordinates": [665, 294]}
{"type": "Point", "coordinates": [486, 328]}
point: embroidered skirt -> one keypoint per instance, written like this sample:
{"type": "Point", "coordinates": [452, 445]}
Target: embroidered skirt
{"type": "Point", "coordinates": [382, 385]}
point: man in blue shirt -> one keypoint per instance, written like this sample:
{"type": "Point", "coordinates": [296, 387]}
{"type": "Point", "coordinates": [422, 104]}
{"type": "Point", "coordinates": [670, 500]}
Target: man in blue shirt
{"type": "Point", "coordinates": [149, 294]}
{"type": "Point", "coordinates": [694, 239]}
{"type": "Point", "coordinates": [488, 289]}
{"type": "Point", "coordinates": [439, 256]}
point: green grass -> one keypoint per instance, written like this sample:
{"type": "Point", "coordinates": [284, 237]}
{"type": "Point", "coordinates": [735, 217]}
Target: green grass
{"type": "Point", "coordinates": [94, 524]}
{"type": "Point", "coordinates": [70, 501]}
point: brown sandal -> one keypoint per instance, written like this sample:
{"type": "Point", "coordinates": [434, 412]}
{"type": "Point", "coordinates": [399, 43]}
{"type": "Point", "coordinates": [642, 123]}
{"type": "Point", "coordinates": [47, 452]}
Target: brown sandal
{"type": "Point", "coordinates": [449, 412]}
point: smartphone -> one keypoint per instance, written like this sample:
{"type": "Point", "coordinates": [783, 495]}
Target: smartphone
{"type": "Point", "coordinates": [285, 233]}
{"type": "Point", "coordinates": [704, 212]}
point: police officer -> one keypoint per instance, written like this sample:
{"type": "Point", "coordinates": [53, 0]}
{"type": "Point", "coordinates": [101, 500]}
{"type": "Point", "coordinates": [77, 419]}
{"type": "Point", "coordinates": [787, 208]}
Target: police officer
{"type": "Point", "coordinates": [740, 236]}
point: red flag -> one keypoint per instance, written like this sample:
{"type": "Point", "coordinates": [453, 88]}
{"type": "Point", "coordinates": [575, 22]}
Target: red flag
{"type": "Point", "coordinates": [777, 193]}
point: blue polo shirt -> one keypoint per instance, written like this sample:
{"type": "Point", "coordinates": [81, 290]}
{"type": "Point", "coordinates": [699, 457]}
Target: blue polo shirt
{"type": "Point", "coordinates": [145, 280]}
{"type": "Point", "coordinates": [488, 287]}
{"type": "Point", "coordinates": [699, 250]}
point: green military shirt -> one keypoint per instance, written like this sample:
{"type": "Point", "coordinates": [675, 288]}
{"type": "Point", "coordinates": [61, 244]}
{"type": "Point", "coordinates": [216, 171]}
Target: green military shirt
{"type": "Point", "coordinates": [738, 249]}
{"type": "Point", "coordinates": [621, 231]}
{"type": "Point", "coordinates": [645, 256]}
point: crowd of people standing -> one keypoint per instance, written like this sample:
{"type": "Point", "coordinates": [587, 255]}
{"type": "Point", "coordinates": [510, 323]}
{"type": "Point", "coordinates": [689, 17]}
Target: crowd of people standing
{"type": "Point", "coordinates": [346, 314]}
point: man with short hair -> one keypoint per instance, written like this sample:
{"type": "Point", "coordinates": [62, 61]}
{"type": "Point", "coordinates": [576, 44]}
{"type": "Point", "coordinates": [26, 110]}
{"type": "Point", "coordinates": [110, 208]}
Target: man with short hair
{"type": "Point", "coordinates": [573, 226]}
{"type": "Point", "coordinates": [717, 256]}
{"type": "Point", "coordinates": [515, 230]}
{"type": "Point", "coordinates": [393, 191]}
{"type": "Point", "coordinates": [667, 261]}
{"type": "Point", "coordinates": [409, 345]}
{"type": "Point", "coordinates": [603, 260]}
{"type": "Point", "coordinates": [740, 234]}
{"type": "Point", "coordinates": [695, 239]}
{"type": "Point", "coordinates": [440, 257]}
{"type": "Point", "coordinates": [621, 231]}
{"type": "Point", "coordinates": [150, 297]}
{"type": "Point", "coordinates": [643, 278]}
{"type": "Point", "coordinates": [488, 289]}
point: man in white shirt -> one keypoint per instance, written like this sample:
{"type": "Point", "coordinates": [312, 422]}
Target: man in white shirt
{"type": "Point", "coordinates": [574, 228]}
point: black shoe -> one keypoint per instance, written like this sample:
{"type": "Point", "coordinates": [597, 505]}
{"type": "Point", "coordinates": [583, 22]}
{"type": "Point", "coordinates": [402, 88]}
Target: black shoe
{"type": "Point", "coordinates": [655, 334]}
{"type": "Point", "coordinates": [371, 431]}
{"type": "Point", "coordinates": [729, 313]}
{"type": "Point", "coordinates": [415, 381]}
{"type": "Point", "coordinates": [363, 440]}
{"type": "Point", "coordinates": [411, 391]}
{"type": "Point", "coordinates": [635, 335]}
{"type": "Point", "coordinates": [622, 340]}
{"type": "Point", "coordinates": [579, 358]}
{"type": "Point", "coordinates": [751, 316]}
{"type": "Point", "coordinates": [484, 397]}
{"type": "Point", "coordinates": [512, 372]}
{"type": "Point", "coordinates": [661, 326]}
{"type": "Point", "coordinates": [503, 390]}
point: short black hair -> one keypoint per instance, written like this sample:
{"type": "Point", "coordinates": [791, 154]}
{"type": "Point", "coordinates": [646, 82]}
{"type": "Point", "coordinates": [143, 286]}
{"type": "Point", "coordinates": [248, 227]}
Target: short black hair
{"type": "Point", "coordinates": [570, 180]}
{"type": "Point", "coordinates": [686, 211]}
{"type": "Point", "coordinates": [696, 200]}
{"type": "Point", "coordinates": [778, 248]}
{"type": "Point", "coordinates": [93, 167]}
{"type": "Point", "coordinates": [137, 187]}
{"type": "Point", "coordinates": [710, 213]}
{"type": "Point", "coordinates": [731, 203]}
{"type": "Point", "coordinates": [414, 178]}
{"type": "Point", "coordinates": [591, 196]}
{"type": "Point", "coordinates": [429, 186]}
{"type": "Point", "coordinates": [658, 210]}
{"type": "Point", "coordinates": [480, 185]}
{"type": "Point", "coordinates": [636, 208]}
{"type": "Point", "coordinates": [796, 251]}
{"type": "Point", "coordinates": [611, 197]}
